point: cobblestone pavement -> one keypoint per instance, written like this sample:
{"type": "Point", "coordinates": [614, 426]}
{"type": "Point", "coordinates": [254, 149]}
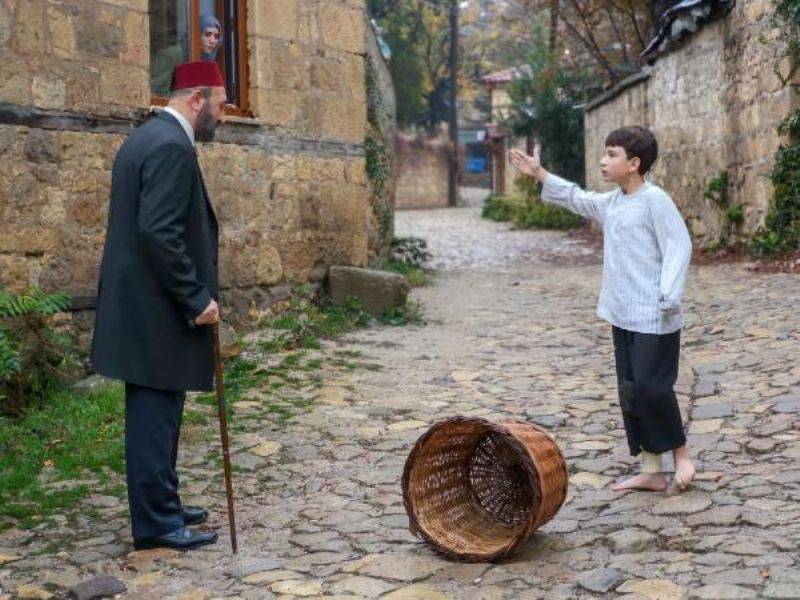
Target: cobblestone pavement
{"type": "Point", "coordinates": [460, 238]}
{"type": "Point", "coordinates": [319, 500]}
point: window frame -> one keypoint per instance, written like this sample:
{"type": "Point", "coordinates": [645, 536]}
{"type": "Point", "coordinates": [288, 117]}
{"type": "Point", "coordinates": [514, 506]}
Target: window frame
{"type": "Point", "coordinates": [242, 72]}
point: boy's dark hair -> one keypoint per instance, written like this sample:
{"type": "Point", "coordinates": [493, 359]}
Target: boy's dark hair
{"type": "Point", "coordinates": [638, 142]}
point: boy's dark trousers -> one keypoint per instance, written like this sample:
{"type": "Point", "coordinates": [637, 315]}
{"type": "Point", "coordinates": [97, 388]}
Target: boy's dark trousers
{"type": "Point", "coordinates": [647, 368]}
{"type": "Point", "coordinates": [152, 429]}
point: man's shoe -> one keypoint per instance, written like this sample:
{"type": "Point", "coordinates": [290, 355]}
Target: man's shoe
{"type": "Point", "coordinates": [194, 515]}
{"type": "Point", "coordinates": [180, 539]}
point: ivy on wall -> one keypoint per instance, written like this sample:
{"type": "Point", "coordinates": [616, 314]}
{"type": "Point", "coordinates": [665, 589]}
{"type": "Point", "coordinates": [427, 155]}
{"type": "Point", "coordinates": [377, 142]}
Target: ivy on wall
{"type": "Point", "coordinates": [378, 158]}
{"type": "Point", "coordinates": [781, 230]}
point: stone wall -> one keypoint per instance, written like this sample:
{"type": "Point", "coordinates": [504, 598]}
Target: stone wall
{"type": "Point", "coordinates": [381, 132]}
{"type": "Point", "coordinates": [288, 184]}
{"type": "Point", "coordinates": [713, 103]}
{"type": "Point", "coordinates": [421, 167]}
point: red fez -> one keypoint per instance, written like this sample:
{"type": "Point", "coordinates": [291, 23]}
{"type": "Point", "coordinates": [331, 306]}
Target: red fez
{"type": "Point", "coordinates": [203, 73]}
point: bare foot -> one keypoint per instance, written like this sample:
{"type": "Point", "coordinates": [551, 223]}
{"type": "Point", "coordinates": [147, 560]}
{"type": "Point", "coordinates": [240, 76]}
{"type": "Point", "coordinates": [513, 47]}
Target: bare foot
{"type": "Point", "coordinates": [684, 468]}
{"type": "Point", "coordinates": [650, 482]}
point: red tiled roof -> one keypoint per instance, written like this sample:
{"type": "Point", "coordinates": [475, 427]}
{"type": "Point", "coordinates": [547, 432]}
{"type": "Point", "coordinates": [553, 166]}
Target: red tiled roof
{"type": "Point", "coordinates": [503, 76]}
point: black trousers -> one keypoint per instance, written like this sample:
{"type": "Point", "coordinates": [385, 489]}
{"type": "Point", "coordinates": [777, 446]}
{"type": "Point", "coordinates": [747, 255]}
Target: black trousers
{"type": "Point", "coordinates": [152, 429]}
{"type": "Point", "coordinates": [647, 368]}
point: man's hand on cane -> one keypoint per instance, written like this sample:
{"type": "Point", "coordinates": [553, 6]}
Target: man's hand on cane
{"type": "Point", "coordinates": [210, 315]}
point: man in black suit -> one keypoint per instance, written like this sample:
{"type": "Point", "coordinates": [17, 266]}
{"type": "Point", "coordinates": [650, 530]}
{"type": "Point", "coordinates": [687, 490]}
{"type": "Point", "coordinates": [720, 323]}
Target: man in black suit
{"type": "Point", "coordinates": [157, 298]}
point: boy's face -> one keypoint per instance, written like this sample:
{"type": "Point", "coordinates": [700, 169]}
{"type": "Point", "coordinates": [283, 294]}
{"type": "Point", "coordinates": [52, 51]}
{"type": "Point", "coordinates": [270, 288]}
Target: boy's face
{"type": "Point", "coordinates": [616, 166]}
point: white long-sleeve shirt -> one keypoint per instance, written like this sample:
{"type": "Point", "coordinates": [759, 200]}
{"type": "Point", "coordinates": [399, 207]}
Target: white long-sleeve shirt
{"type": "Point", "coordinates": [646, 253]}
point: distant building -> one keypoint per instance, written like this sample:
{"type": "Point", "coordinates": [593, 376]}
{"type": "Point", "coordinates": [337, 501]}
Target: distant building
{"type": "Point", "coordinates": [498, 142]}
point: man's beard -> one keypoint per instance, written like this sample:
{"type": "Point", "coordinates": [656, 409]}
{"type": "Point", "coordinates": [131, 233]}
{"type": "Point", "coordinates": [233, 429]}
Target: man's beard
{"type": "Point", "coordinates": [206, 125]}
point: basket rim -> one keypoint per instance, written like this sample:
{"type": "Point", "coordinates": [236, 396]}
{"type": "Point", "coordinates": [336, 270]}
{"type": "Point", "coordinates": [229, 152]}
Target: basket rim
{"type": "Point", "coordinates": [531, 468]}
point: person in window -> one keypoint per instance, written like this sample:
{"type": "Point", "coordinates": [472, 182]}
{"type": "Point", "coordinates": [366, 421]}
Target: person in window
{"type": "Point", "coordinates": [210, 37]}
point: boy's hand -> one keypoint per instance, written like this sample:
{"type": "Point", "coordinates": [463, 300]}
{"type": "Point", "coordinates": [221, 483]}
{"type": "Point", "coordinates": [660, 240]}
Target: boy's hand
{"type": "Point", "coordinates": [528, 165]}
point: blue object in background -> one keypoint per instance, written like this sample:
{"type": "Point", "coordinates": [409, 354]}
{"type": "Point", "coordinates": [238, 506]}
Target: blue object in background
{"type": "Point", "coordinates": [476, 164]}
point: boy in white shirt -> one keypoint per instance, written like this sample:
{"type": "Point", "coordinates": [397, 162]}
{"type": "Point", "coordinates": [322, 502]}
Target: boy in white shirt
{"type": "Point", "coordinates": [646, 254]}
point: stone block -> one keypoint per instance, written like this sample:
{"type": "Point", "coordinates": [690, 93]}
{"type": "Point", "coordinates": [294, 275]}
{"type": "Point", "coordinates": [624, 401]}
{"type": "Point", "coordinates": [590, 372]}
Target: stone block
{"type": "Point", "coordinates": [15, 82]}
{"type": "Point", "coordinates": [356, 76]}
{"type": "Point", "coordinates": [269, 269]}
{"type": "Point", "coordinates": [327, 75]}
{"type": "Point", "coordinates": [289, 66]}
{"type": "Point", "coordinates": [275, 18]}
{"type": "Point", "coordinates": [99, 32]}
{"type": "Point", "coordinates": [17, 272]}
{"type": "Point", "coordinates": [342, 27]}
{"type": "Point", "coordinates": [48, 92]}
{"type": "Point", "coordinates": [28, 33]}
{"type": "Point", "coordinates": [61, 32]}
{"type": "Point", "coordinates": [136, 44]}
{"type": "Point", "coordinates": [29, 240]}
{"type": "Point", "coordinates": [277, 108]}
{"type": "Point", "coordinates": [308, 25]}
{"type": "Point", "coordinates": [356, 171]}
{"type": "Point", "coordinates": [125, 85]}
{"type": "Point", "coordinates": [42, 147]}
{"type": "Point", "coordinates": [378, 291]}
{"type": "Point", "coordinates": [99, 587]}
{"type": "Point", "coordinates": [260, 73]}
{"type": "Point", "coordinates": [343, 118]}
{"type": "Point", "coordinates": [6, 24]}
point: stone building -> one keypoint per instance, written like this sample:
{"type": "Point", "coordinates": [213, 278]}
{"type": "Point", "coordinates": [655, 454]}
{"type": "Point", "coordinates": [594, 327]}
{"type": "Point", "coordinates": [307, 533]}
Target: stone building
{"type": "Point", "coordinates": [499, 141]}
{"type": "Point", "coordinates": [714, 101]}
{"type": "Point", "coordinates": [286, 173]}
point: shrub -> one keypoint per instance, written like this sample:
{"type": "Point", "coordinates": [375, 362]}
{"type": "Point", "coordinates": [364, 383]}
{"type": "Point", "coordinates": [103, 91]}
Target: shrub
{"type": "Point", "coordinates": [34, 358]}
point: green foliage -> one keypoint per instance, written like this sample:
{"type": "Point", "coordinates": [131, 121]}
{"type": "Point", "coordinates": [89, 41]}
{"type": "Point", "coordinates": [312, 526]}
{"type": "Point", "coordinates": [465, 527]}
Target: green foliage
{"type": "Point", "coordinates": [734, 215]}
{"type": "Point", "coordinates": [786, 18]}
{"type": "Point", "coordinates": [411, 250]}
{"type": "Point", "coordinates": [410, 313]}
{"type": "Point", "coordinates": [34, 358]}
{"type": "Point", "coordinates": [417, 33]}
{"type": "Point", "coordinates": [526, 210]}
{"type": "Point", "coordinates": [310, 318]}
{"type": "Point", "coordinates": [545, 103]}
{"type": "Point", "coordinates": [72, 437]}
{"type": "Point", "coordinates": [781, 230]}
{"type": "Point", "coordinates": [407, 257]}
{"type": "Point", "coordinates": [416, 276]}
{"type": "Point", "coordinates": [378, 156]}
{"type": "Point", "coordinates": [717, 190]}
{"type": "Point", "coordinates": [498, 207]}
{"type": "Point", "coordinates": [536, 214]}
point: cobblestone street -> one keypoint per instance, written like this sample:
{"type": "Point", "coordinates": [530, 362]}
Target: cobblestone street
{"type": "Point", "coordinates": [511, 332]}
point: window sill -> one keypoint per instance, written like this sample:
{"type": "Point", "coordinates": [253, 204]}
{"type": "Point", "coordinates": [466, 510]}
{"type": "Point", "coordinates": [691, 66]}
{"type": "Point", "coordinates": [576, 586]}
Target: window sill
{"type": "Point", "coordinates": [228, 119]}
{"type": "Point", "coordinates": [249, 121]}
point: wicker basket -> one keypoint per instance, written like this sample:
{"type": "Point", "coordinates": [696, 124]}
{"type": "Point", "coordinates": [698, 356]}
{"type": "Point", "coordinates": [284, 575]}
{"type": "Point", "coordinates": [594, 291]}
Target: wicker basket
{"type": "Point", "coordinates": [476, 490]}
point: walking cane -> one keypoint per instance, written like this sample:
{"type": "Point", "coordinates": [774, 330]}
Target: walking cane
{"type": "Point", "coordinates": [223, 430]}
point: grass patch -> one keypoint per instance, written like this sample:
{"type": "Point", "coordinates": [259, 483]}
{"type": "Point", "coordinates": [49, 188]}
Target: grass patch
{"type": "Point", "coordinates": [416, 276]}
{"type": "Point", "coordinates": [408, 314]}
{"type": "Point", "coordinates": [72, 437]}
{"type": "Point", "coordinates": [407, 256]}
{"type": "Point", "coordinates": [307, 321]}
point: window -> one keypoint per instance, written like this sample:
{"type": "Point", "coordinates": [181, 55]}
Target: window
{"type": "Point", "coordinates": [184, 30]}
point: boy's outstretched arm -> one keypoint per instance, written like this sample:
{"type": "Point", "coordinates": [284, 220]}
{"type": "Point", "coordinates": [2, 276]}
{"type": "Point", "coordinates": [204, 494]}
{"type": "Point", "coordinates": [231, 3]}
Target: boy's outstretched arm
{"type": "Point", "coordinates": [676, 251]}
{"type": "Point", "coordinates": [559, 191]}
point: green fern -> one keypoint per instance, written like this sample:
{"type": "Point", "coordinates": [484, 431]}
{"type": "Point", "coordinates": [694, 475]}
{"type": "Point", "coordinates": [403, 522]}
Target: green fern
{"type": "Point", "coordinates": [33, 301]}
{"type": "Point", "coordinates": [34, 359]}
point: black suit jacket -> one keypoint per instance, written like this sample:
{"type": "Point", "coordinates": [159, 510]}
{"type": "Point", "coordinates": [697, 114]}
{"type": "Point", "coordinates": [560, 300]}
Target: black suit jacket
{"type": "Point", "coordinates": [159, 267]}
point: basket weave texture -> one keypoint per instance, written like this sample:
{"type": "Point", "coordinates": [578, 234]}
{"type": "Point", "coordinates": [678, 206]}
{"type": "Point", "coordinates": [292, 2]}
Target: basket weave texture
{"type": "Point", "coordinates": [475, 490]}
